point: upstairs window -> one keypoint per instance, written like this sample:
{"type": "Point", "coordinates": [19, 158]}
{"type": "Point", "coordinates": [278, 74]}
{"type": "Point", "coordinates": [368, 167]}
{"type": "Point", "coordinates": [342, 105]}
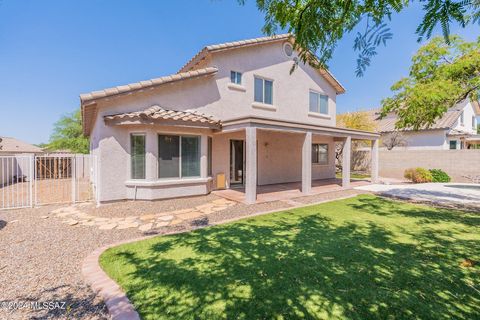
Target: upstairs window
{"type": "Point", "coordinates": [462, 118]}
{"type": "Point", "coordinates": [137, 156]}
{"type": "Point", "coordinates": [263, 91]}
{"type": "Point", "coordinates": [236, 77]}
{"type": "Point", "coordinates": [320, 153]}
{"type": "Point", "coordinates": [318, 103]}
{"type": "Point", "coordinates": [474, 123]}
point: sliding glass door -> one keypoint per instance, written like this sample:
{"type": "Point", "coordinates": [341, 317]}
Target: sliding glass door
{"type": "Point", "coordinates": [236, 161]}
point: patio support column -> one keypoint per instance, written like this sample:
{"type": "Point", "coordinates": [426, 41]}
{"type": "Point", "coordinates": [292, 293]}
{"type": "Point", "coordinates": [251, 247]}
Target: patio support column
{"type": "Point", "coordinates": [374, 162]}
{"type": "Point", "coordinates": [346, 153]}
{"type": "Point", "coordinates": [307, 164]}
{"type": "Point", "coordinates": [251, 165]}
{"type": "Point", "coordinates": [204, 156]}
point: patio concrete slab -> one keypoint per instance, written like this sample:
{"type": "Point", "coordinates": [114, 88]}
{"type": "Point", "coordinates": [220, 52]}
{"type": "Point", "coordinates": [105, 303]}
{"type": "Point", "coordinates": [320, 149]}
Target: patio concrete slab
{"type": "Point", "coordinates": [285, 191]}
{"type": "Point", "coordinates": [456, 194]}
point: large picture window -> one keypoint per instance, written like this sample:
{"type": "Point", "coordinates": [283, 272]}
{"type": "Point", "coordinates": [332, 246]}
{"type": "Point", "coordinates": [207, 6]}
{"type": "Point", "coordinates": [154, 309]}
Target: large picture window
{"type": "Point", "coordinates": [179, 156]}
{"type": "Point", "coordinates": [137, 156]}
{"type": "Point", "coordinates": [320, 153]}
{"type": "Point", "coordinates": [318, 103]}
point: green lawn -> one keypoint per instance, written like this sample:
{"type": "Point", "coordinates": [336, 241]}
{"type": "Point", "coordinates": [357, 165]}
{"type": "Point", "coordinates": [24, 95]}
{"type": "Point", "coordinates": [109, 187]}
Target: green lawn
{"type": "Point", "coordinates": [353, 175]}
{"type": "Point", "coordinates": [360, 258]}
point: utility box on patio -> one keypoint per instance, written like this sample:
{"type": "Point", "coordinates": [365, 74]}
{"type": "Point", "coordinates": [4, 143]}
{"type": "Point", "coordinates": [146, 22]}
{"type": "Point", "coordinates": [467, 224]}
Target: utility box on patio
{"type": "Point", "coordinates": [221, 181]}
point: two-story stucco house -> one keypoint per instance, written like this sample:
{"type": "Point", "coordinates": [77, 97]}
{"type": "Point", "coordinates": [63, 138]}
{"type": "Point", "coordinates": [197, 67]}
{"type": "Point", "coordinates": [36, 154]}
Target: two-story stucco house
{"type": "Point", "coordinates": [457, 129]}
{"type": "Point", "coordinates": [233, 116]}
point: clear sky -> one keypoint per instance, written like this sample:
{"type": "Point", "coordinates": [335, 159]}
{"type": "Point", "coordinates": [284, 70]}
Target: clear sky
{"type": "Point", "coordinates": [51, 51]}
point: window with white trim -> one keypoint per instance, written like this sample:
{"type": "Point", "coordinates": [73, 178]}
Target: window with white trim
{"type": "Point", "coordinates": [453, 144]}
{"type": "Point", "coordinates": [263, 91]}
{"type": "Point", "coordinates": [236, 77]}
{"type": "Point", "coordinates": [137, 156]}
{"type": "Point", "coordinates": [318, 102]}
{"type": "Point", "coordinates": [462, 118]}
{"type": "Point", "coordinates": [320, 153]}
{"type": "Point", "coordinates": [178, 156]}
{"type": "Point", "coordinates": [474, 123]}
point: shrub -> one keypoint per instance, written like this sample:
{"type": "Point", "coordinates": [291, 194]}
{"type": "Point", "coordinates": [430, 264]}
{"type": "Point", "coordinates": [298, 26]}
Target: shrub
{"type": "Point", "coordinates": [422, 175]}
{"type": "Point", "coordinates": [408, 174]}
{"type": "Point", "coordinates": [418, 175]}
{"type": "Point", "coordinates": [438, 175]}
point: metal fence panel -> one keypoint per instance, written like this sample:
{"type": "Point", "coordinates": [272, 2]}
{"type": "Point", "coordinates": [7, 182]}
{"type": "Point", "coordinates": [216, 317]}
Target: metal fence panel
{"type": "Point", "coordinates": [26, 181]}
{"type": "Point", "coordinates": [16, 180]}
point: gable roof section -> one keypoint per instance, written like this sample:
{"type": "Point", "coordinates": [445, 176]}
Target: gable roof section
{"type": "Point", "coordinates": [208, 50]}
{"type": "Point", "coordinates": [157, 113]}
{"type": "Point", "coordinates": [12, 145]}
{"type": "Point", "coordinates": [88, 106]}
{"type": "Point", "coordinates": [146, 84]}
{"type": "Point", "coordinates": [448, 120]}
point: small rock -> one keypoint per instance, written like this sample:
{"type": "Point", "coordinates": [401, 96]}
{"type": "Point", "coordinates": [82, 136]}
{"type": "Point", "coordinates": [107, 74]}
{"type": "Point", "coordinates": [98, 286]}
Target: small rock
{"type": "Point", "coordinates": [147, 217]}
{"type": "Point", "coordinates": [126, 225]}
{"type": "Point", "coordinates": [108, 226]}
{"type": "Point", "coordinates": [44, 217]}
{"type": "Point", "coordinates": [176, 221]}
{"type": "Point", "coordinates": [72, 222]}
{"type": "Point", "coordinates": [145, 227]}
{"type": "Point", "coordinates": [163, 224]}
{"type": "Point", "coordinates": [165, 218]}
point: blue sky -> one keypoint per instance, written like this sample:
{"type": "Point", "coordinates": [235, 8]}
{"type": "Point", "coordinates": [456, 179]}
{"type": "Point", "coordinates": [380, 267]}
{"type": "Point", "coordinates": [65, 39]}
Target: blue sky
{"type": "Point", "coordinates": [51, 51]}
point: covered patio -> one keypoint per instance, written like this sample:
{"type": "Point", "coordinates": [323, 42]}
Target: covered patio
{"type": "Point", "coordinates": [290, 138]}
{"type": "Point", "coordinates": [287, 191]}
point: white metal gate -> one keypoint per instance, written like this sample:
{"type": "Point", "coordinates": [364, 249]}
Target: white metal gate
{"type": "Point", "coordinates": [26, 181]}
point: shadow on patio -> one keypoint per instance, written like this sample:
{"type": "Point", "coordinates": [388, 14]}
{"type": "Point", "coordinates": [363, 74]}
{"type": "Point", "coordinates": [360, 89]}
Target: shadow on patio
{"type": "Point", "coordinates": [285, 191]}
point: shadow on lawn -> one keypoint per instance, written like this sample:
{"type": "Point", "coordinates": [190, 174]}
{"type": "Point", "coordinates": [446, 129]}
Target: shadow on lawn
{"type": "Point", "coordinates": [305, 265]}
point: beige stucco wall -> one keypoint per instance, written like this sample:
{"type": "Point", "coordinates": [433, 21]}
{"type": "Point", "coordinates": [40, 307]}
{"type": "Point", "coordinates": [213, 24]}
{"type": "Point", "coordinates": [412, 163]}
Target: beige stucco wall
{"type": "Point", "coordinates": [213, 96]}
{"type": "Point", "coordinates": [393, 163]}
{"type": "Point", "coordinates": [279, 156]}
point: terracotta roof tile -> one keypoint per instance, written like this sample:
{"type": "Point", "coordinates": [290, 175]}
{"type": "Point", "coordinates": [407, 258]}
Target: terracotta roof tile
{"type": "Point", "coordinates": [190, 65]}
{"type": "Point", "coordinates": [159, 113]}
{"type": "Point", "coordinates": [145, 84]}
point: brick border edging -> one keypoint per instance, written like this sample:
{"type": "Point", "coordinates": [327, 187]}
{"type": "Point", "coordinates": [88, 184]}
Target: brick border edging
{"type": "Point", "coordinates": [118, 305]}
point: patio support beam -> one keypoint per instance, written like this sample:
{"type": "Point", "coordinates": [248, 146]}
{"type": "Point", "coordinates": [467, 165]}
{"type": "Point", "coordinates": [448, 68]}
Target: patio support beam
{"type": "Point", "coordinates": [374, 162]}
{"type": "Point", "coordinates": [251, 165]}
{"type": "Point", "coordinates": [307, 164]}
{"type": "Point", "coordinates": [346, 154]}
{"type": "Point", "coordinates": [204, 156]}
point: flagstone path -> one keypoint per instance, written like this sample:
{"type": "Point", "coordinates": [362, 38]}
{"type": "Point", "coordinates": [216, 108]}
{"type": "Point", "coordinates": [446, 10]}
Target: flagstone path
{"type": "Point", "coordinates": [75, 215]}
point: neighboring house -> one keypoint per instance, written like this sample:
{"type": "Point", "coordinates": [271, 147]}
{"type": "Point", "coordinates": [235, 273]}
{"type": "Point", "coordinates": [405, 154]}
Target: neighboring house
{"type": "Point", "coordinates": [457, 129]}
{"type": "Point", "coordinates": [12, 146]}
{"type": "Point", "coordinates": [13, 163]}
{"type": "Point", "coordinates": [233, 116]}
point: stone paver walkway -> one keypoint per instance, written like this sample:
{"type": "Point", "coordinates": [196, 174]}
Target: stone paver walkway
{"type": "Point", "coordinates": [74, 215]}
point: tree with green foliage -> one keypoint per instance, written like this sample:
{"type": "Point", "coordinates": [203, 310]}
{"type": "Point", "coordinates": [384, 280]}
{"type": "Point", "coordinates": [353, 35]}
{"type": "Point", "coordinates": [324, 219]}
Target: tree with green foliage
{"type": "Point", "coordinates": [318, 25]}
{"type": "Point", "coordinates": [441, 76]}
{"type": "Point", "coordinates": [67, 134]}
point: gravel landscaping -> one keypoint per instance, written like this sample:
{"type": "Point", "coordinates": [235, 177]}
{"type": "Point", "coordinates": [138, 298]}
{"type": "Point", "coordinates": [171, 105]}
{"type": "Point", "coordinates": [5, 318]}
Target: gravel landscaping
{"type": "Point", "coordinates": [41, 256]}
